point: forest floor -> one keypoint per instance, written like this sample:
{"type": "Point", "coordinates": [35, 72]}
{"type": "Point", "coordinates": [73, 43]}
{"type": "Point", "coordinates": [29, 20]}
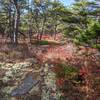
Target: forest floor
{"type": "Point", "coordinates": [35, 63]}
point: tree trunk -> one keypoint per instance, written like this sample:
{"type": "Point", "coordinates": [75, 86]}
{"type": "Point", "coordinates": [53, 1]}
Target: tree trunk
{"type": "Point", "coordinates": [16, 22]}
{"type": "Point", "coordinates": [36, 17]}
{"type": "Point", "coordinates": [43, 25]}
{"type": "Point", "coordinates": [10, 22]}
{"type": "Point", "coordinates": [30, 32]}
{"type": "Point", "coordinates": [55, 31]}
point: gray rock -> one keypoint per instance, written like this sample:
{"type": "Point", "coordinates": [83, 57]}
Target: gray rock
{"type": "Point", "coordinates": [52, 98]}
{"type": "Point", "coordinates": [25, 87]}
{"type": "Point", "coordinates": [32, 60]}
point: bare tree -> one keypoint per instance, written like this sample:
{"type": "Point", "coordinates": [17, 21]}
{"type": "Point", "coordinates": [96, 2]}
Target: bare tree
{"type": "Point", "coordinates": [16, 21]}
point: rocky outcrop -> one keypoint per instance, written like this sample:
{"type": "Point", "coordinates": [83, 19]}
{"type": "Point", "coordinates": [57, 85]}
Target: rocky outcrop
{"type": "Point", "coordinates": [25, 87]}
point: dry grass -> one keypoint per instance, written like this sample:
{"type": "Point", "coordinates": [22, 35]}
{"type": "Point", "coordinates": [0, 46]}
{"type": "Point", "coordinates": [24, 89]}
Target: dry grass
{"type": "Point", "coordinates": [20, 52]}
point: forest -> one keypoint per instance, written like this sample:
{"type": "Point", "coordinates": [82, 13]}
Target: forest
{"type": "Point", "coordinates": [49, 50]}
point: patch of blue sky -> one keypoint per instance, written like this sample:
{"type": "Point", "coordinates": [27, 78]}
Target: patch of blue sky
{"type": "Point", "coordinates": [69, 2]}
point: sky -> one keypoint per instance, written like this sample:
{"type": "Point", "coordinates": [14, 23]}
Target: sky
{"type": "Point", "coordinates": [67, 2]}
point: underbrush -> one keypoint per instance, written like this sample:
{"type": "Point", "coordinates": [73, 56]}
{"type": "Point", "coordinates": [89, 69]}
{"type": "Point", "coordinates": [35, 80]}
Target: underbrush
{"type": "Point", "coordinates": [44, 42]}
{"type": "Point", "coordinates": [97, 46]}
{"type": "Point", "coordinates": [65, 71]}
{"type": "Point", "coordinates": [73, 82]}
{"type": "Point", "coordinates": [9, 52]}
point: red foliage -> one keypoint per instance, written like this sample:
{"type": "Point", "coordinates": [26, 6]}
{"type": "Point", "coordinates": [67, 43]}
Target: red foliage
{"type": "Point", "coordinates": [57, 69]}
{"type": "Point", "coordinates": [83, 71]}
{"type": "Point", "coordinates": [60, 82]}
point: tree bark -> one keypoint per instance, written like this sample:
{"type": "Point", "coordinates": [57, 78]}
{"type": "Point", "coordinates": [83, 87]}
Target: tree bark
{"type": "Point", "coordinates": [43, 25]}
{"type": "Point", "coordinates": [30, 22]}
{"type": "Point", "coordinates": [10, 22]}
{"type": "Point", "coordinates": [16, 22]}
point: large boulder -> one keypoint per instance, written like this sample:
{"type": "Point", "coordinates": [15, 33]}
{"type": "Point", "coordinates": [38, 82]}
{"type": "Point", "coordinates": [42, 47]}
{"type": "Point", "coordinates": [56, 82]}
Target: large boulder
{"type": "Point", "coordinates": [25, 86]}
